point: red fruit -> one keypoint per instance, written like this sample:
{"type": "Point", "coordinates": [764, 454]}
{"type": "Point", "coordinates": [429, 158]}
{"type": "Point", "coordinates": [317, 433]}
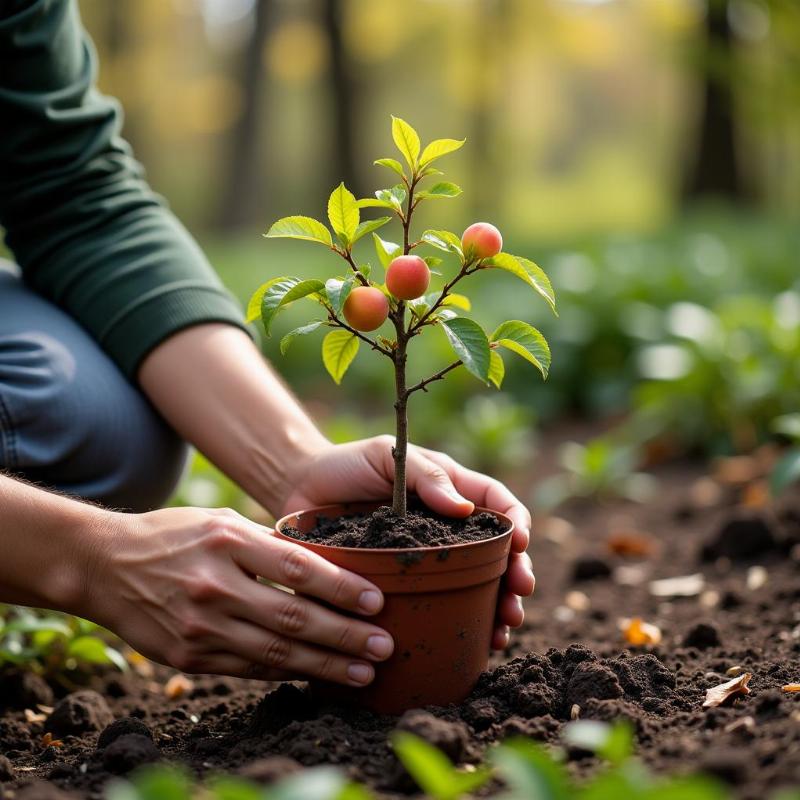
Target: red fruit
{"type": "Point", "coordinates": [366, 308]}
{"type": "Point", "coordinates": [408, 277]}
{"type": "Point", "coordinates": [482, 240]}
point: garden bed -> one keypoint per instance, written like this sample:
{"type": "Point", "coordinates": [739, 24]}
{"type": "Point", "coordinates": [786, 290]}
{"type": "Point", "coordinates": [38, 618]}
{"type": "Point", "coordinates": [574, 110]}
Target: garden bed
{"type": "Point", "coordinates": [595, 565]}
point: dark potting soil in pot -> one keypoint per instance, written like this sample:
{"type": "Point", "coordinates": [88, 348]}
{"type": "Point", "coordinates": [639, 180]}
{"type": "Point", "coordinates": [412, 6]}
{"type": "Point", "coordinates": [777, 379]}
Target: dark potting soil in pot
{"type": "Point", "coordinates": [383, 528]}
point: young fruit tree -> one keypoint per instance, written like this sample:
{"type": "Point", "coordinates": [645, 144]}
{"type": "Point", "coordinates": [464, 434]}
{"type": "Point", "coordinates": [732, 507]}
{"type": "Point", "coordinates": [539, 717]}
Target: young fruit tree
{"type": "Point", "coordinates": [354, 304]}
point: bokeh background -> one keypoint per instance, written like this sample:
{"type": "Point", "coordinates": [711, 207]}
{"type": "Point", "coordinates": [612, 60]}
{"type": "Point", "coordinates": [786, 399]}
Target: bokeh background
{"type": "Point", "coordinates": [646, 153]}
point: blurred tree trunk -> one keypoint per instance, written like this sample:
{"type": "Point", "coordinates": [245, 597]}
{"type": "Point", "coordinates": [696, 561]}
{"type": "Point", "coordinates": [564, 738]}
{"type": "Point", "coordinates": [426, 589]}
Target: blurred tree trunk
{"type": "Point", "coordinates": [242, 179]}
{"type": "Point", "coordinates": [343, 94]}
{"type": "Point", "coordinates": [713, 167]}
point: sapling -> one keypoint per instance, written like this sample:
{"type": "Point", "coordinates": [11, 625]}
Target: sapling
{"type": "Point", "coordinates": [354, 304]}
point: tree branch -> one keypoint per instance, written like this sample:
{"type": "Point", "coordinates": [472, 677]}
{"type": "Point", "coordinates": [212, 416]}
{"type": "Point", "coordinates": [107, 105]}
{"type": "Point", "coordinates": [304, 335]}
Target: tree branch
{"type": "Point", "coordinates": [348, 257]}
{"type": "Point", "coordinates": [371, 342]}
{"type": "Point", "coordinates": [422, 385]}
{"type": "Point", "coordinates": [463, 273]}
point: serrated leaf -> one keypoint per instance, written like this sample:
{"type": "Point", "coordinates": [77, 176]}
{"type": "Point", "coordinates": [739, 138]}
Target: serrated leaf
{"type": "Point", "coordinates": [338, 292]}
{"type": "Point", "coordinates": [283, 292]}
{"type": "Point", "coordinates": [444, 240]}
{"type": "Point", "coordinates": [407, 141]}
{"type": "Point", "coordinates": [497, 369]}
{"type": "Point", "coordinates": [470, 344]}
{"type": "Point", "coordinates": [339, 348]}
{"type": "Point", "coordinates": [254, 305]}
{"type": "Point", "coordinates": [527, 271]}
{"type": "Point", "coordinates": [392, 164]}
{"type": "Point", "coordinates": [438, 148]}
{"type": "Point", "coordinates": [368, 226]}
{"type": "Point", "coordinates": [458, 301]}
{"type": "Point", "coordinates": [303, 330]}
{"type": "Point", "coordinates": [526, 341]}
{"type": "Point", "coordinates": [386, 251]}
{"type": "Point", "coordinates": [298, 227]}
{"type": "Point", "coordinates": [343, 213]}
{"type": "Point", "coordinates": [432, 770]}
{"type": "Point", "coordinates": [440, 190]}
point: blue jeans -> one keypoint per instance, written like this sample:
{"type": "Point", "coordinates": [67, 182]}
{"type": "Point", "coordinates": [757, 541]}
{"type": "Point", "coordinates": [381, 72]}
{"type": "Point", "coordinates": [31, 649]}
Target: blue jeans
{"type": "Point", "coordinates": [69, 419]}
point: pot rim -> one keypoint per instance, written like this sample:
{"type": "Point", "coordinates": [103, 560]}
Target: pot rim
{"type": "Point", "coordinates": [360, 505]}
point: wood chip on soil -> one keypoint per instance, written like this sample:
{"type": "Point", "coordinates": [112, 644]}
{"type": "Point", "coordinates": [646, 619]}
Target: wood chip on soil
{"type": "Point", "coordinates": [717, 695]}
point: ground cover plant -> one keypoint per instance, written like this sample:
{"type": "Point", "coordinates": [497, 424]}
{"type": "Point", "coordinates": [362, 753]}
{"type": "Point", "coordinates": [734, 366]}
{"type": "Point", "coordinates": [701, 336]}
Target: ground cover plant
{"type": "Point", "coordinates": [355, 304]}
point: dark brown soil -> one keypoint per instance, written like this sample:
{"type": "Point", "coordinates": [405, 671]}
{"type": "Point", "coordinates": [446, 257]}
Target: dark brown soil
{"type": "Point", "coordinates": [570, 659]}
{"type": "Point", "coordinates": [384, 529]}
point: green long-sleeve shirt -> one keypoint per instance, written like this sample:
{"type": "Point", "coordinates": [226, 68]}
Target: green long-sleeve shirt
{"type": "Point", "coordinates": [82, 223]}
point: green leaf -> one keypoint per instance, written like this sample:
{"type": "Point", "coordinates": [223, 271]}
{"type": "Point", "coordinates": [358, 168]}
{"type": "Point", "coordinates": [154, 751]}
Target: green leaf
{"type": "Point", "coordinates": [458, 301]}
{"type": "Point", "coordinates": [700, 787]}
{"type": "Point", "coordinates": [317, 783]}
{"type": "Point", "coordinates": [229, 787]}
{"type": "Point", "coordinates": [343, 213]}
{"type": "Point", "coordinates": [300, 228]}
{"type": "Point", "coordinates": [338, 291]}
{"type": "Point", "coordinates": [31, 624]}
{"type": "Point", "coordinates": [526, 341]}
{"type": "Point", "coordinates": [438, 148]}
{"type": "Point", "coordinates": [470, 344]}
{"type": "Point", "coordinates": [527, 271]}
{"type": "Point", "coordinates": [89, 649]}
{"type": "Point", "coordinates": [787, 425]}
{"type": "Point", "coordinates": [497, 369]}
{"type": "Point", "coordinates": [612, 742]}
{"type": "Point", "coordinates": [370, 202]}
{"type": "Point", "coordinates": [386, 251]}
{"type": "Point", "coordinates": [254, 306]}
{"type": "Point", "coordinates": [395, 196]}
{"type": "Point", "coordinates": [530, 771]}
{"type": "Point", "coordinates": [303, 330]}
{"type": "Point", "coordinates": [444, 240]}
{"type": "Point", "coordinates": [368, 226]}
{"type": "Point", "coordinates": [392, 164]}
{"type": "Point", "coordinates": [155, 783]}
{"type": "Point", "coordinates": [339, 348]}
{"type": "Point", "coordinates": [407, 141]}
{"type": "Point", "coordinates": [433, 262]}
{"type": "Point", "coordinates": [785, 472]}
{"type": "Point", "coordinates": [444, 314]}
{"type": "Point", "coordinates": [442, 189]}
{"type": "Point", "coordinates": [432, 769]}
{"type": "Point", "coordinates": [419, 306]}
{"type": "Point", "coordinates": [283, 292]}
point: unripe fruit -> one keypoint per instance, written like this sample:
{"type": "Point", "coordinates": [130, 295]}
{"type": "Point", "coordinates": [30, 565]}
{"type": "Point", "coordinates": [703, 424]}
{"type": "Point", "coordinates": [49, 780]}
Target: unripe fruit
{"type": "Point", "coordinates": [366, 308]}
{"type": "Point", "coordinates": [408, 277]}
{"type": "Point", "coordinates": [482, 240]}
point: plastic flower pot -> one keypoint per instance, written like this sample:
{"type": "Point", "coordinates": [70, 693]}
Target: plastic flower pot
{"type": "Point", "coordinates": [439, 606]}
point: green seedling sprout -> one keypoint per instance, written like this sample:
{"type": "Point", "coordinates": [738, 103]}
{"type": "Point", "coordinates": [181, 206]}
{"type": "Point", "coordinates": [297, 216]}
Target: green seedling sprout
{"type": "Point", "coordinates": [354, 305]}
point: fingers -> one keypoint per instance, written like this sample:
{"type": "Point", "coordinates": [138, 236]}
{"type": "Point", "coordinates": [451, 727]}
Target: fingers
{"type": "Point", "coordinates": [296, 617]}
{"type": "Point", "coordinates": [487, 492]}
{"type": "Point", "coordinates": [295, 567]}
{"type": "Point", "coordinates": [500, 637]}
{"type": "Point", "coordinates": [433, 484]}
{"type": "Point", "coordinates": [257, 652]}
{"type": "Point", "coordinates": [519, 578]}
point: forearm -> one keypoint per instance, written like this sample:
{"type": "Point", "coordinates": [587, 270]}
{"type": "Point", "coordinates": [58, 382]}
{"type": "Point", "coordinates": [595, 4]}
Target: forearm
{"type": "Point", "coordinates": [213, 386]}
{"type": "Point", "coordinates": [49, 544]}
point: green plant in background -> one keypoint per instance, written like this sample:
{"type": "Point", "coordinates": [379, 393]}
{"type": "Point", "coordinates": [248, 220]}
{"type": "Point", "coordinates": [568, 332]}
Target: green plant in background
{"type": "Point", "coordinates": [787, 470]}
{"type": "Point", "coordinates": [602, 469]}
{"type": "Point", "coordinates": [53, 644]}
{"type": "Point", "coordinates": [205, 486]}
{"type": "Point", "coordinates": [354, 305]}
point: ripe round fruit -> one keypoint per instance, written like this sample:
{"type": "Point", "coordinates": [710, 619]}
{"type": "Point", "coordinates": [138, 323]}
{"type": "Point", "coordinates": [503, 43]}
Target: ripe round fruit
{"type": "Point", "coordinates": [408, 277]}
{"type": "Point", "coordinates": [482, 240]}
{"type": "Point", "coordinates": [366, 308]}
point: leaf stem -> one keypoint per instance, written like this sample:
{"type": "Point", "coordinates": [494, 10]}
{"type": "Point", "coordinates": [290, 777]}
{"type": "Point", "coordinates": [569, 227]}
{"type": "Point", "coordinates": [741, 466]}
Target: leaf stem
{"type": "Point", "coordinates": [463, 273]}
{"type": "Point", "coordinates": [437, 376]}
{"type": "Point", "coordinates": [371, 342]}
{"type": "Point", "coordinates": [348, 257]}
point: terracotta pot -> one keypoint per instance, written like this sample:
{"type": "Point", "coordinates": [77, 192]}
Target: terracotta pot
{"type": "Point", "coordinates": [439, 606]}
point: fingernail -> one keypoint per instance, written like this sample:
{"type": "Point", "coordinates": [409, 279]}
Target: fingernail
{"type": "Point", "coordinates": [369, 601]}
{"type": "Point", "coordinates": [359, 674]}
{"type": "Point", "coordinates": [379, 646]}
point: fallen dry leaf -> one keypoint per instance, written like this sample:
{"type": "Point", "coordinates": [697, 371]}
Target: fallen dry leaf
{"type": "Point", "coordinates": [717, 695]}
{"type": "Point", "coordinates": [178, 686]}
{"type": "Point", "coordinates": [49, 741]}
{"type": "Point", "coordinates": [31, 717]}
{"type": "Point", "coordinates": [575, 712]}
{"type": "Point", "coordinates": [638, 632]}
{"type": "Point", "coordinates": [732, 672]}
{"type": "Point", "coordinates": [682, 586]}
{"type": "Point", "coordinates": [791, 687]}
{"type": "Point", "coordinates": [631, 544]}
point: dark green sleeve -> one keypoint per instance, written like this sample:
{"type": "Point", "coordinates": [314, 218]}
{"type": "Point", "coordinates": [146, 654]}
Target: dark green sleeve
{"type": "Point", "coordinates": [84, 226]}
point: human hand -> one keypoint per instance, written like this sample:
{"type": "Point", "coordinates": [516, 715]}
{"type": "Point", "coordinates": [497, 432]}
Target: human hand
{"type": "Point", "coordinates": [179, 585]}
{"type": "Point", "coordinates": [364, 470]}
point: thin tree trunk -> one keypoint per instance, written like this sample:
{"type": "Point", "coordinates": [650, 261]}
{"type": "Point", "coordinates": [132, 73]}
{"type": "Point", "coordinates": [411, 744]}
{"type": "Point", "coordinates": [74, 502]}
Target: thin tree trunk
{"type": "Point", "coordinates": [243, 178]}
{"type": "Point", "coordinates": [713, 166]}
{"type": "Point", "coordinates": [343, 96]}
